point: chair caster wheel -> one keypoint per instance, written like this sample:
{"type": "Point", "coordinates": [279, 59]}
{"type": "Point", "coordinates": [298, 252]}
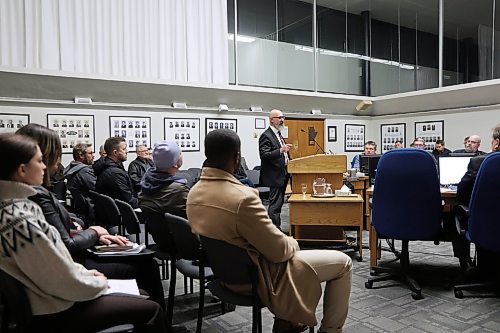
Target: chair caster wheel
{"type": "Point", "coordinates": [459, 294]}
{"type": "Point", "coordinates": [368, 284]}
{"type": "Point", "coordinates": [416, 295]}
{"type": "Point", "coordinates": [372, 272]}
{"type": "Point", "coordinates": [359, 259]}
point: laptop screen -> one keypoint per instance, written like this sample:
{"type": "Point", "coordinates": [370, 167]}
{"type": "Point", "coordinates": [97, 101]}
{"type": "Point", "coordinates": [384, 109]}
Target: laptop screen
{"type": "Point", "coordinates": [452, 169]}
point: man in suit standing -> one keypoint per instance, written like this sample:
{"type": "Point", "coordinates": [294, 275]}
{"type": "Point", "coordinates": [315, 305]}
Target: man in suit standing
{"type": "Point", "coordinates": [274, 156]}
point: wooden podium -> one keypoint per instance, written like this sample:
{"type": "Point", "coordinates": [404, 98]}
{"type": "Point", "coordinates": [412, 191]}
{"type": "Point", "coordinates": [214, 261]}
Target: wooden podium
{"type": "Point", "coordinates": [315, 219]}
{"type": "Point", "coordinates": [305, 170]}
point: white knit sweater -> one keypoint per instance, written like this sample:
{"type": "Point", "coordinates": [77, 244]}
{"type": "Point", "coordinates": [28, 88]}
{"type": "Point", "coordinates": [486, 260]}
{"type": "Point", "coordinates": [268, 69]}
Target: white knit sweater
{"type": "Point", "coordinates": [32, 251]}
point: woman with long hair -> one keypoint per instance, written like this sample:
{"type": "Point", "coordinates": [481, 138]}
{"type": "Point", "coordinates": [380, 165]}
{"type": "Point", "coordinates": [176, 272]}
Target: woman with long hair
{"type": "Point", "coordinates": [78, 241]}
{"type": "Point", "coordinates": [64, 296]}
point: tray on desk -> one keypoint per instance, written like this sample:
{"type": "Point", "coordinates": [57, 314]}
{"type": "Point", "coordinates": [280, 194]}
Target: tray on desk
{"type": "Point", "coordinates": [322, 195]}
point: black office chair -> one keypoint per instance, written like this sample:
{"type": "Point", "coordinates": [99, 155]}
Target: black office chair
{"type": "Point", "coordinates": [187, 176]}
{"type": "Point", "coordinates": [17, 317]}
{"type": "Point", "coordinates": [191, 261]}
{"type": "Point", "coordinates": [164, 247]}
{"type": "Point", "coordinates": [195, 174]}
{"type": "Point", "coordinates": [232, 265]}
{"type": "Point", "coordinates": [106, 211]}
{"type": "Point", "coordinates": [483, 228]}
{"type": "Point", "coordinates": [406, 206]}
{"type": "Point", "coordinates": [253, 176]}
{"type": "Point", "coordinates": [129, 219]}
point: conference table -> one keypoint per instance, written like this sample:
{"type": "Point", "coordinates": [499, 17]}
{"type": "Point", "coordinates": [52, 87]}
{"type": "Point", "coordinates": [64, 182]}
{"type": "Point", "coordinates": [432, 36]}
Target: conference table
{"type": "Point", "coordinates": [313, 219]}
{"type": "Point", "coordinates": [449, 198]}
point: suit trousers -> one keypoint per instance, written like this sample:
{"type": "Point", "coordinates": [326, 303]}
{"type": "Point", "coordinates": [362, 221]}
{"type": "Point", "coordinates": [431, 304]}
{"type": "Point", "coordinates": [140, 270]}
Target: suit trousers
{"type": "Point", "coordinates": [334, 268]}
{"type": "Point", "coordinates": [276, 199]}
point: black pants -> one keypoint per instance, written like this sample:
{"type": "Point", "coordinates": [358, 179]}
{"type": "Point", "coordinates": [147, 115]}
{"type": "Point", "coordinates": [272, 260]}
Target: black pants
{"type": "Point", "coordinates": [144, 270]}
{"type": "Point", "coordinates": [276, 199]}
{"type": "Point", "coordinates": [104, 312]}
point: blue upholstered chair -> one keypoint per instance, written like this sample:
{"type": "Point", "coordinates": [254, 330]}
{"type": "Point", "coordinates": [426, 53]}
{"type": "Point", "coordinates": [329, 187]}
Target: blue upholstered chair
{"type": "Point", "coordinates": [484, 226]}
{"type": "Point", "coordinates": [406, 206]}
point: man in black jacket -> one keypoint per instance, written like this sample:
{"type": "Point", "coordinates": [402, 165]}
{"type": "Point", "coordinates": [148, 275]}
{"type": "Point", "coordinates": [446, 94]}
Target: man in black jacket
{"type": "Point", "coordinates": [137, 168]}
{"type": "Point", "coordinates": [461, 246]}
{"type": "Point", "coordinates": [274, 157]}
{"type": "Point", "coordinates": [112, 179]}
{"type": "Point", "coordinates": [80, 177]}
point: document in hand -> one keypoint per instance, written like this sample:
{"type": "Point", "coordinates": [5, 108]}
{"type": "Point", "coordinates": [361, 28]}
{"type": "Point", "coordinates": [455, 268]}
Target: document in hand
{"type": "Point", "coordinates": [116, 249]}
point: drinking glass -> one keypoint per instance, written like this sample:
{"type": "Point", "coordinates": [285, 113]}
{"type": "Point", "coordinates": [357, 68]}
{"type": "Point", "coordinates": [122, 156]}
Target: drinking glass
{"type": "Point", "coordinates": [304, 190]}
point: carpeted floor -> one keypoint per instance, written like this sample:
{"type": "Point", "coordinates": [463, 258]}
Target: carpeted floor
{"type": "Point", "coordinates": [388, 307]}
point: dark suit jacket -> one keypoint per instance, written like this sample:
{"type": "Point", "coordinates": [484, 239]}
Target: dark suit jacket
{"type": "Point", "coordinates": [273, 171]}
{"type": "Point", "coordinates": [464, 189]}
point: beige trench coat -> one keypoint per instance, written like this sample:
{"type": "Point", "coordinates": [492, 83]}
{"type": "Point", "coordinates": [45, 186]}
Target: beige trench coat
{"type": "Point", "coordinates": [220, 207]}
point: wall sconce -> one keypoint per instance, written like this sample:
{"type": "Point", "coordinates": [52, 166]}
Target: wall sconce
{"type": "Point", "coordinates": [179, 105]}
{"type": "Point", "coordinates": [256, 108]}
{"type": "Point", "coordinates": [223, 107]}
{"type": "Point", "coordinates": [363, 105]}
{"type": "Point", "coordinates": [83, 100]}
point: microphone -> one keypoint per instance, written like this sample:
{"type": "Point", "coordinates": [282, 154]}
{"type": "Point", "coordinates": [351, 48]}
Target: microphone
{"type": "Point", "coordinates": [312, 137]}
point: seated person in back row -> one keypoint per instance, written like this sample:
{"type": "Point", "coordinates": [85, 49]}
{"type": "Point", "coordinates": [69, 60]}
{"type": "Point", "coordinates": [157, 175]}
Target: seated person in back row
{"type": "Point", "coordinates": [370, 148]}
{"type": "Point", "coordinates": [112, 179]}
{"type": "Point", "coordinates": [461, 246]}
{"type": "Point", "coordinates": [241, 173]}
{"type": "Point", "coordinates": [440, 149]}
{"type": "Point", "coordinates": [137, 168]}
{"type": "Point", "coordinates": [472, 146]}
{"type": "Point", "coordinates": [220, 207]}
{"type": "Point", "coordinates": [161, 190]}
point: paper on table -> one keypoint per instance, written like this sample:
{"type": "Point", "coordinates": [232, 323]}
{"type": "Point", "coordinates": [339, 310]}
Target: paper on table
{"type": "Point", "coordinates": [122, 287]}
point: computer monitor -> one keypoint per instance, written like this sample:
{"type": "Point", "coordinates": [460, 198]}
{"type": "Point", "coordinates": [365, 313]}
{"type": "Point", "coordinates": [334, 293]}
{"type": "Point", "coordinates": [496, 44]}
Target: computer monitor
{"type": "Point", "coordinates": [452, 169]}
{"type": "Point", "coordinates": [368, 165]}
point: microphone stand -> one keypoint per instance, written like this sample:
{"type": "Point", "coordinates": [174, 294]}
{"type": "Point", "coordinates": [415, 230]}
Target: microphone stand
{"type": "Point", "coordinates": [313, 138]}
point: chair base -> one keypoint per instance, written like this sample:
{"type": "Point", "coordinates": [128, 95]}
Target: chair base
{"type": "Point", "coordinates": [492, 289]}
{"type": "Point", "coordinates": [401, 274]}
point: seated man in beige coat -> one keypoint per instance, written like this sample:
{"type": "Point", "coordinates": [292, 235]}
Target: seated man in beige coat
{"type": "Point", "coordinates": [220, 207]}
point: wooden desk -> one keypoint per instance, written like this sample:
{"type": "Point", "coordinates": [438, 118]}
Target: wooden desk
{"type": "Point", "coordinates": [361, 184]}
{"type": "Point", "coordinates": [311, 218]}
{"type": "Point", "coordinates": [449, 200]}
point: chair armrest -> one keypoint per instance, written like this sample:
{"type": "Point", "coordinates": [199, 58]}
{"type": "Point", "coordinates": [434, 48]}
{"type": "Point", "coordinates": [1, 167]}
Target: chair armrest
{"type": "Point", "coordinates": [461, 213]}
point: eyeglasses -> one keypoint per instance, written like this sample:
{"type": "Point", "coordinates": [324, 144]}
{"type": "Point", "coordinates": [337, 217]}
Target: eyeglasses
{"type": "Point", "coordinates": [279, 117]}
{"type": "Point", "coordinates": [476, 142]}
{"type": "Point", "coordinates": [143, 151]}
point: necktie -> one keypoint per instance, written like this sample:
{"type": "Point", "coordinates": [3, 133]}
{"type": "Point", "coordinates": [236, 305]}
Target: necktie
{"type": "Point", "coordinates": [283, 143]}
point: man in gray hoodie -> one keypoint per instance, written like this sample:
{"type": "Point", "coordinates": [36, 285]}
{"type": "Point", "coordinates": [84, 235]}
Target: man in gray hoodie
{"type": "Point", "coordinates": [161, 190]}
{"type": "Point", "coordinates": [80, 178]}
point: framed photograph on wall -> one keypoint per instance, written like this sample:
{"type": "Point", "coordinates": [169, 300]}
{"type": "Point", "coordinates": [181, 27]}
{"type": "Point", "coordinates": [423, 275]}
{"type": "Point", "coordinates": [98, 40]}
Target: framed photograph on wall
{"type": "Point", "coordinates": [354, 137]}
{"type": "Point", "coordinates": [12, 122]}
{"type": "Point", "coordinates": [135, 130]}
{"type": "Point", "coordinates": [217, 123]}
{"type": "Point", "coordinates": [332, 133]}
{"type": "Point", "coordinates": [430, 131]}
{"type": "Point", "coordinates": [389, 134]}
{"type": "Point", "coordinates": [184, 131]}
{"type": "Point", "coordinates": [72, 129]}
{"type": "Point", "coordinates": [260, 123]}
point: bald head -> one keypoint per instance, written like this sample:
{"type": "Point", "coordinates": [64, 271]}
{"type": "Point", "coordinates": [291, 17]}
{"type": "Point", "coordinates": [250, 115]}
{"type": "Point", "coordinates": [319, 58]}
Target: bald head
{"type": "Point", "coordinates": [276, 119]}
{"type": "Point", "coordinates": [473, 143]}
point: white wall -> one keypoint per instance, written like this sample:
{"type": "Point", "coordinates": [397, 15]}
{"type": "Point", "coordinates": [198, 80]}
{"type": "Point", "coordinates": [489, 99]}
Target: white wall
{"type": "Point", "coordinates": [456, 127]}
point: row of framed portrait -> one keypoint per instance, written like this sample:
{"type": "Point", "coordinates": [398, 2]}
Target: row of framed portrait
{"type": "Point", "coordinates": [354, 138]}
{"type": "Point", "coordinates": [74, 129]}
